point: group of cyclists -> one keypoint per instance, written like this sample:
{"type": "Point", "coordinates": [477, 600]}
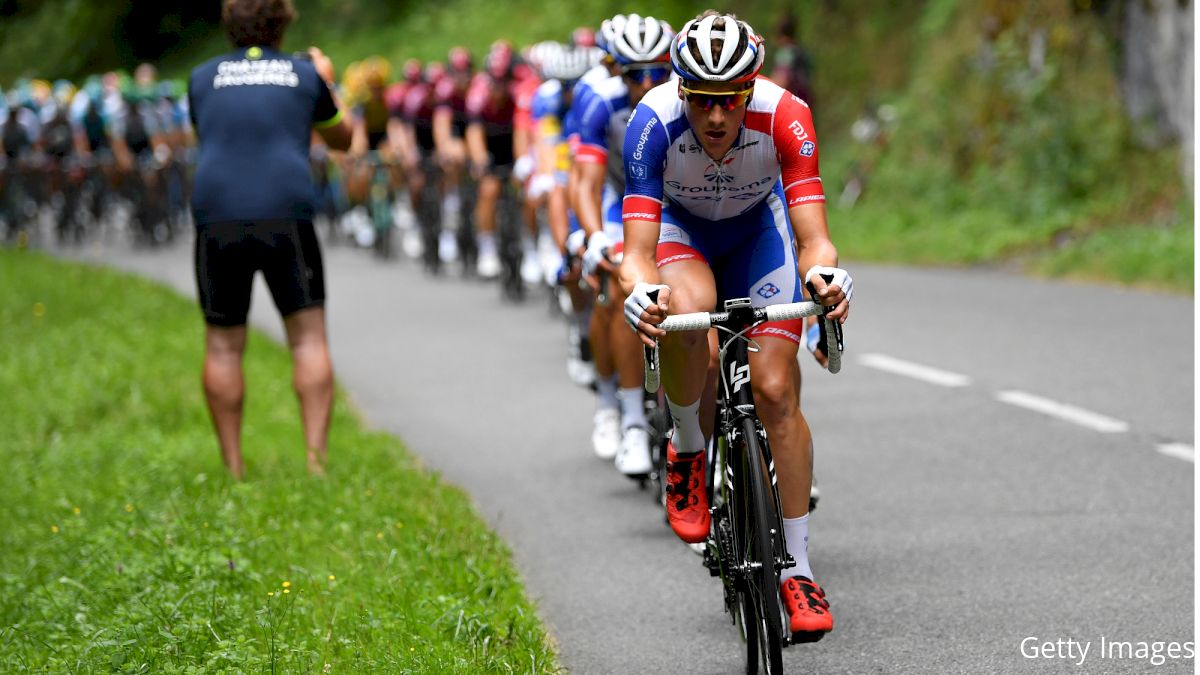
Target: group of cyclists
{"type": "Point", "coordinates": [76, 154]}
{"type": "Point", "coordinates": [634, 170]}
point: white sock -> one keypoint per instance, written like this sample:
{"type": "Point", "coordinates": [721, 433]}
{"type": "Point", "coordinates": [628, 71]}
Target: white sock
{"type": "Point", "coordinates": [688, 439]}
{"type": "Point", "coordinates": [633, 408]}
{"type": "Point", "coordinates": [451, 202]}
{"type": "Point", "coordinates": [487, 243]}
{"type": "Point", "coordinates": [606, 393]}
{"type": "Point", "coordinates": [795, 530]}
{"type": "Point", "coordinates": [583, 319]}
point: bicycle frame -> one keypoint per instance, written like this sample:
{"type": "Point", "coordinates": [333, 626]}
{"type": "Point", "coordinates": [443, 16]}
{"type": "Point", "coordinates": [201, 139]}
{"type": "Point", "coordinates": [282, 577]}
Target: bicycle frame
{"type": "Point", "coordinates": [747, 531]}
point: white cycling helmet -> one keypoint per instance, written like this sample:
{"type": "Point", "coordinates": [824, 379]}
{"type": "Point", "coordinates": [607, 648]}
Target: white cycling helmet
{"type": "Point", "coordinates": [538, 53]}
{"type": "Point", "coordinates": [641, 40]}
{"type": "Point", "coordinates": [608, 31]}
{"type": "Point", "coordinates": [741, 50]}
{"type": "Point", "coordinates": [568, 64]}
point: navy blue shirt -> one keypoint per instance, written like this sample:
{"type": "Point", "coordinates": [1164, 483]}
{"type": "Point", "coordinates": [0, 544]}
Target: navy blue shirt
{"type": "Point", "coordinates": [253, 111]}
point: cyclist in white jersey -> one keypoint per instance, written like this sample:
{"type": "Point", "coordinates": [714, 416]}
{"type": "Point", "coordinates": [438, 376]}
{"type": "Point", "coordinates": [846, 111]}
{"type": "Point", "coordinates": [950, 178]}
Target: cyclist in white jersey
{"type": "Point", "coordinates": [642, 49]}
{"type": "Point", "coordinates": [723, 199]}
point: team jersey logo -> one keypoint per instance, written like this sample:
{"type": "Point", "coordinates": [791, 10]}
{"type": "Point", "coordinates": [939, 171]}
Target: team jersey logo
{"type": "Point", "coordinates": [768, 290]}
{"type": "Point", "coordinates": [715, 172]}
{"type": "Point", "coordinates": [807, 149]}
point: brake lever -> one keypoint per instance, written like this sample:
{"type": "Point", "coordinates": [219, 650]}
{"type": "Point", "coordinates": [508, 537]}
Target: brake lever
{"type": "Point", "coordinates": [837, 326]}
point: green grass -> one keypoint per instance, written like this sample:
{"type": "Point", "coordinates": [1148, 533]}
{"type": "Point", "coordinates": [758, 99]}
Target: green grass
{"type": "Point", "coordinates": [127, 548]}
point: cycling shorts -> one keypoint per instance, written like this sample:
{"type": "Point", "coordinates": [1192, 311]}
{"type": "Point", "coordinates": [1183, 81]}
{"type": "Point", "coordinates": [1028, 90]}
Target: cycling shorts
{"type": "Point", "coordinates": [229, 253]}
{"type": "Point", "coordinates": [751, 255]}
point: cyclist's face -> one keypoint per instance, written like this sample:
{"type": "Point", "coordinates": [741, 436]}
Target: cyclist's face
{"type": "Point", "coordinates": [641, 78]}
{"type": "Point", "coordinates": [715, 117]}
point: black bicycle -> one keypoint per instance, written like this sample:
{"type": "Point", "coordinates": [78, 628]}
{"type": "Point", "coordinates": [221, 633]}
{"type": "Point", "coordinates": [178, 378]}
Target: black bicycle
{"type": "Point", "coordinates": [428, 203]}
{"type": "Point", "coordinates": [746, 546]}
{"type": "Point", "coordinates": [508, 236]}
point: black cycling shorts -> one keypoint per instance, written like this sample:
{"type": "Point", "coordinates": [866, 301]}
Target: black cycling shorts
{"type": "Point", "coordinates": [228, 254]}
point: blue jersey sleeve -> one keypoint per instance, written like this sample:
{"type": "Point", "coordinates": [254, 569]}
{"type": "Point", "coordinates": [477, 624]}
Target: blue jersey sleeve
{"type": "Point", "coordinates": [593, 123]}
{"type": "Point", "coordinates": [645, 151]}
{"type": "Point", "coordinates": [547, 101]}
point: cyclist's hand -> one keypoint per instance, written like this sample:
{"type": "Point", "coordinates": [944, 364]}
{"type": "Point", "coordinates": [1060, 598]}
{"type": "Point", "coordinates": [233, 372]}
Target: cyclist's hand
{"type": "Point", "coordinates": [644, 314]}
{"type": "Point", "coordinates": [576, 243]}
{"type": "Point", "coordinates": [832, 287]}
{"type": "Point", "coordinates": [598, 245]}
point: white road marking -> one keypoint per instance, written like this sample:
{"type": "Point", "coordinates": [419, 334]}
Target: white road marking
{"type": "Point", "coordinates": [914, 370]}
{"type": "Point", "coordinates": [1063, 411]}
{"type": "Point", "coordinates": [1179, 451]}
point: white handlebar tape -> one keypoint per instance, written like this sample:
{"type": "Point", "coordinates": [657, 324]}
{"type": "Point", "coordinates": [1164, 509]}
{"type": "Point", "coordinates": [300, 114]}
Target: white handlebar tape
{"type": "Point", "coordinates": [831, 350]}
{"type": "Point", "coordinates": [792, 310]}
{"type": "Point", "coordinates": [681, 322]}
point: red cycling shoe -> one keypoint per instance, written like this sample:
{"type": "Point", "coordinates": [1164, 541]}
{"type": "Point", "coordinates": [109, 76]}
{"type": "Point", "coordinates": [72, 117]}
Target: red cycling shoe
{"type": "Point", "coordinates": [687, 501]}
{"type": "Point", "coordinates": [807, 608]}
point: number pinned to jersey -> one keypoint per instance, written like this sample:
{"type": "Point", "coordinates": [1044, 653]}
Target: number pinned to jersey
{"type": "Point", "coordinates": [808, 148]}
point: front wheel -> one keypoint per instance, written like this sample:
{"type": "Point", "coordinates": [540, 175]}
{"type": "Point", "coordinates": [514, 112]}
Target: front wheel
{"type": "Point", "coordinates": [761, 594]}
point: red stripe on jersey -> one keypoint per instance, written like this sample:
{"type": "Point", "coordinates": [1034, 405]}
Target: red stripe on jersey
{"type": "Point", "coordinates": [637, 207]}
{"type": "Point", "coordinates": [791, 329]}
{"type": "Point", "coordinates": [796, 143]}
{"type": "Point", "coordinates": [756, 120]}
{"type": "Point", "coordinates": [592, 154]}
{"type": "Point", "coordinates": [673, 252]}
{"type": "Point", "coordinates": [804, 192]}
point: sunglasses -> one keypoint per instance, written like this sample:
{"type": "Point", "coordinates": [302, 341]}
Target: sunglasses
{"type": "Point", "coordinates": [726, 100]}
{"type": "Point", "coordinates": [657, 74]}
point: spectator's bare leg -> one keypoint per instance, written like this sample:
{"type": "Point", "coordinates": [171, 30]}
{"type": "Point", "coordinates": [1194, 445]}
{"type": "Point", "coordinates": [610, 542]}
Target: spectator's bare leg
{"type": "Point", "coordinates": [313, 380]}
{"type": "Point", "coordinates": [224, 389]}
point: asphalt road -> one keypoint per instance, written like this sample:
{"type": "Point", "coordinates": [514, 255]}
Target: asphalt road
{"type": "Point", "coordinates": [1037, 488]}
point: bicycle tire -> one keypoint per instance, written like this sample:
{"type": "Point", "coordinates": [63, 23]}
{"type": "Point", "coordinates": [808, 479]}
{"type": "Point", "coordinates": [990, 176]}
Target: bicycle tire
{"type": "Point", "coordinates": [763, 583]}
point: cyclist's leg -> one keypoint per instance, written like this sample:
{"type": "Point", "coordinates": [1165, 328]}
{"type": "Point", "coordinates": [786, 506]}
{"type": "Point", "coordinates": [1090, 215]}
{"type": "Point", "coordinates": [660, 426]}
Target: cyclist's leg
{"type": "Point", "coordinates": [488, 265]}
{"type": "Point", "coordinates": [606, 435]}
{"type": "Point", "coordinates": [764, 268]}
{"type": "Point", "coordinates": [684, 267]}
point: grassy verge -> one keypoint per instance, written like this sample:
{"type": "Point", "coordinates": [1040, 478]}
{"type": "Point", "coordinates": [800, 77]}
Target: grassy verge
{"type": "Point", "coordinates": [127, 549]}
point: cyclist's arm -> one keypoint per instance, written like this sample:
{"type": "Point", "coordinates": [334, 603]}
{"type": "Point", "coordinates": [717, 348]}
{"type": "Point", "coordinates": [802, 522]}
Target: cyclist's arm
{"type": "Point", "coordinates": [588, 191]}
{"type": "Point", "coordinates": [398, 138]}
{"type": "Point", "coordinates": [591, 158]}
{"type": "Point", "coordinates": [797, 145]}
{"type": "Point", "coordinates": [477, 145]}
{"type": "Point", "coordinates": [443, 129]}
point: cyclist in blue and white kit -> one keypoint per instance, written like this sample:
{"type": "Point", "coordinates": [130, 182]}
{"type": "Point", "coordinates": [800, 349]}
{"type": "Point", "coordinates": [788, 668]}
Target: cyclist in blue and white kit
{"type": "Point", "coordinates": [560, 67]}
{"type": "Point", "coordinates": [723, 200]}
{"type": "Point", "coordinates": [579, 359]}
{"type": "Point", "coordinates": [641, 48]}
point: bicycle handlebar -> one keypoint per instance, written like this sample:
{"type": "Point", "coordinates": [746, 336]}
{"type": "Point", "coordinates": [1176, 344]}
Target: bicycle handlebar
{"type": "Point", "coordinates": [707, 320]}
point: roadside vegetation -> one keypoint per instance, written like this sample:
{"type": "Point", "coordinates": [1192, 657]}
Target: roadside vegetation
{"type": "Point", "coordinates": [127, 548]}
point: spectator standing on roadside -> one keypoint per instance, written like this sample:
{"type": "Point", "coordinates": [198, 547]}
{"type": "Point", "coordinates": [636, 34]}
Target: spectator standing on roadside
{"type": "Point", "coordinates": [254, 111]}
{"type": "Point", "coordinates": [792, 68]}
